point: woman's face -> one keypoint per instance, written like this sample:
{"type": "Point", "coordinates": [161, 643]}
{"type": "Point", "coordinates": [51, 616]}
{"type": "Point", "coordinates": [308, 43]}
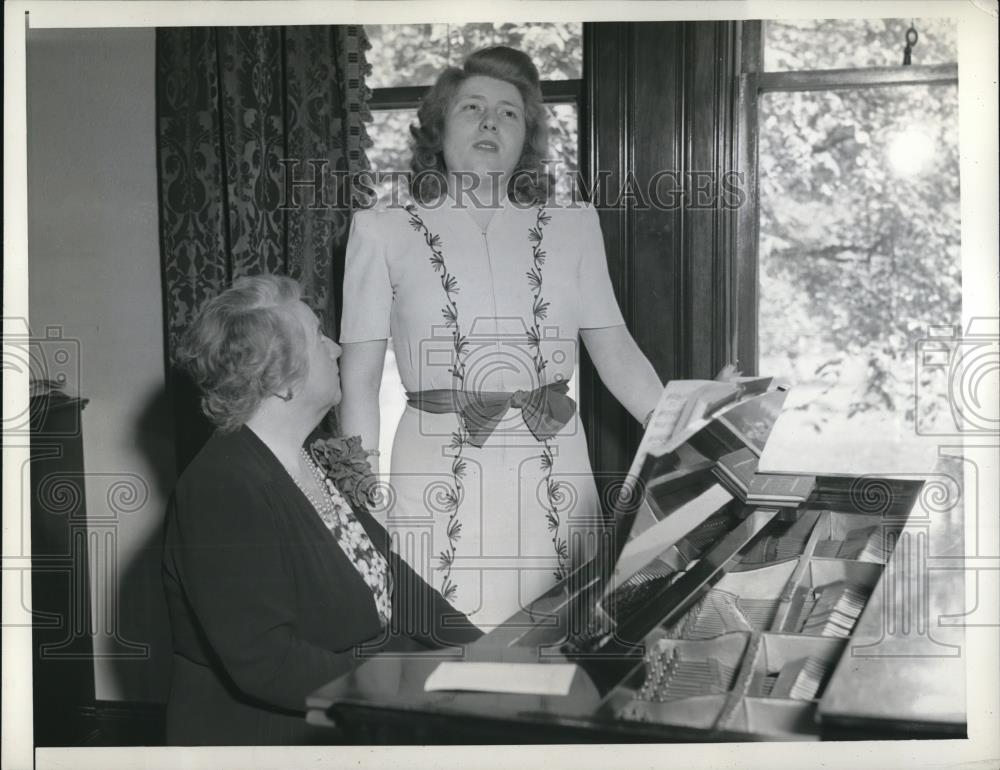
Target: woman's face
{"type": "Point", "coordinates": [322, 383]}
{"type": "Point", "coordinates": [484, 128]}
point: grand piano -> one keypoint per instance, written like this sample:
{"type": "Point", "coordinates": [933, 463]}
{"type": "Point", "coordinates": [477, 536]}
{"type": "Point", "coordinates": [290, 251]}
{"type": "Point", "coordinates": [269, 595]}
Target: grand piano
{"type": "Point", "coordinates": [725, 604]}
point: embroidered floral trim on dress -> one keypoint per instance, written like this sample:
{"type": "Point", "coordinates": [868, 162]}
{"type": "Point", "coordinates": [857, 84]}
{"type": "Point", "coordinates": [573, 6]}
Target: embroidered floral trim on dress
{"type": "Point", "coordinates": [454, 493]}
{"type": "Point", "coordinates": [451, 499]}
{"type": "Point", "coordinates": [539, 311]}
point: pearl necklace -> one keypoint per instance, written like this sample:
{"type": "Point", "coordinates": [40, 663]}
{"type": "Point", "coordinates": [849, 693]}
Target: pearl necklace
{"type": "Point", "coordinates": [324, 507]}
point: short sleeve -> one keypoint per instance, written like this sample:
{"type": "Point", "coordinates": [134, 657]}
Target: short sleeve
{"type": "Point", "coordinates": [367, 286]}
{"type": "Point", "coordinates": [598, 306]}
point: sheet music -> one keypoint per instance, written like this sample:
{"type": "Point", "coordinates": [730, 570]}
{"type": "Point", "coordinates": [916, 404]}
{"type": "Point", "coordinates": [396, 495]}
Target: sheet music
{"type": "Point", "coordinates": [675, 419]}
{"type": "Point", "coordinates": [520, 678]}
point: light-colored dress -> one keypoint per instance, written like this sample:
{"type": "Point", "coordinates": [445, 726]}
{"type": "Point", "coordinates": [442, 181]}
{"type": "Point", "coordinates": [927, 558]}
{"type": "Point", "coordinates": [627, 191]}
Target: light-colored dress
{"type": "Point", "coordinates": [494, 310]}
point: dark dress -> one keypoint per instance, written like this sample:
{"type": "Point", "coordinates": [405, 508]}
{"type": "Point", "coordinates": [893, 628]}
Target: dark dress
{"type": "Point", "coordinates": [264, 605]}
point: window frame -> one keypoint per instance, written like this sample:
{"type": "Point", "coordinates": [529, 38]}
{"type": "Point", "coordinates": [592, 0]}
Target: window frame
{"type": "Point", "coordinates": [408, 97]}
{"type": "Point", "coordinates": [754, 82]}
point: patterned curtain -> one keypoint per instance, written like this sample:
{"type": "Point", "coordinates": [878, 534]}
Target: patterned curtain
{"type": "Point", "coordinates": [247, 118]}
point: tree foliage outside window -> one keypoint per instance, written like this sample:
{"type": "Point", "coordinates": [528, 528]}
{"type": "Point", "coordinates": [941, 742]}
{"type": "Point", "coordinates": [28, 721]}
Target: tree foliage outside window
{"type": "Point", "coordinates": [415, 54]}
{"type": "Point", "coordinates": [859, 227]}
{"type": "Point", "coordinates": [824, 44]}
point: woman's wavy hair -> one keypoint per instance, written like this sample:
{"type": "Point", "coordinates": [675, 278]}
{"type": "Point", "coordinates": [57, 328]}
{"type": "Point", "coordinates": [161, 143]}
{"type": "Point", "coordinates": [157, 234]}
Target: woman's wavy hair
{"type": "Point", "coordinates": [530, 182]}
{"type": "Point", "coordinates": [244, 345]}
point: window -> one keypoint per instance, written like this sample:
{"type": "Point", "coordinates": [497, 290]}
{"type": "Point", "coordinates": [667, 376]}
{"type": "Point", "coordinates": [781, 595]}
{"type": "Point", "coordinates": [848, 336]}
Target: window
{"type": "Point", "coordinates": [415, 54]}
{"type": "Point", "coordinates": [829, 44]}
{"type": "Point", "coordinates": [405, 60]}
{"type": "Point", "coordinates": [858, 251]}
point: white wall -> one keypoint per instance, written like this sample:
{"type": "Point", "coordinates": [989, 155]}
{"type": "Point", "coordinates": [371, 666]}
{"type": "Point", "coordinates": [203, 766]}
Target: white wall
{"type": "Point", "coordinates": [94, 273]}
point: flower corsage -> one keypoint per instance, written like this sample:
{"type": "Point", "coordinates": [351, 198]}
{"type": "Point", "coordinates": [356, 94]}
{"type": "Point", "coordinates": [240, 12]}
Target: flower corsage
{"type": "Point", "coordinates": [345, 463]}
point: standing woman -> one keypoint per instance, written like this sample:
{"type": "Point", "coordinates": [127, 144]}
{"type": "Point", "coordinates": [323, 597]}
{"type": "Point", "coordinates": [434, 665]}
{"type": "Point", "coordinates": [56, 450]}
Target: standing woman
{"type": "Point", "coordinates": [485, 290]}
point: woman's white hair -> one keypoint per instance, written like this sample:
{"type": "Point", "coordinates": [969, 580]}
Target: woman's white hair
{"type": "Point", "coordinates": [244, 345]}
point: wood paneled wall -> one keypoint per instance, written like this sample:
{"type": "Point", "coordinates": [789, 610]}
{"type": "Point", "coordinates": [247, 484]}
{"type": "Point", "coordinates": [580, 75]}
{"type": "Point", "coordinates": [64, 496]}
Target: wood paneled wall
{"type": "Point", "coordinates": [660, 134]}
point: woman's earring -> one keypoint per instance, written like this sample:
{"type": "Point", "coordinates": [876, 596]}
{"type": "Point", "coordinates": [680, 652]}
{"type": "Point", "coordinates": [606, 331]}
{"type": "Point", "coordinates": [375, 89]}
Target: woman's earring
{"type": "Point", "coordinates": [287, 397]}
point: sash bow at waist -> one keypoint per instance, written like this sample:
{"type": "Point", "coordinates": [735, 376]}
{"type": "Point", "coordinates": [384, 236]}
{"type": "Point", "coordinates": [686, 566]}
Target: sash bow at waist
{"type": "Point", "coordinates": [545, 410]}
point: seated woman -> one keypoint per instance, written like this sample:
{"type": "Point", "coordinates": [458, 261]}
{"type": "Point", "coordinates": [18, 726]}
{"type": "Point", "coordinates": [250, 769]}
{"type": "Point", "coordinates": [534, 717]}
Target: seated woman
{"type": "Point", "coordinates": [272, 577]}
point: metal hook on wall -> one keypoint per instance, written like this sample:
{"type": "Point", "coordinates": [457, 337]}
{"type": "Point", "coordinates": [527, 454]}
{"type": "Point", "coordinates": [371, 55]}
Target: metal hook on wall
{"type": "Point", "coordinates": [911, 40]}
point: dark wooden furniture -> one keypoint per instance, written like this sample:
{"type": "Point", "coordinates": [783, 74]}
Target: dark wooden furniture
{"type": "Point", "coordinates": [63, 651]}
